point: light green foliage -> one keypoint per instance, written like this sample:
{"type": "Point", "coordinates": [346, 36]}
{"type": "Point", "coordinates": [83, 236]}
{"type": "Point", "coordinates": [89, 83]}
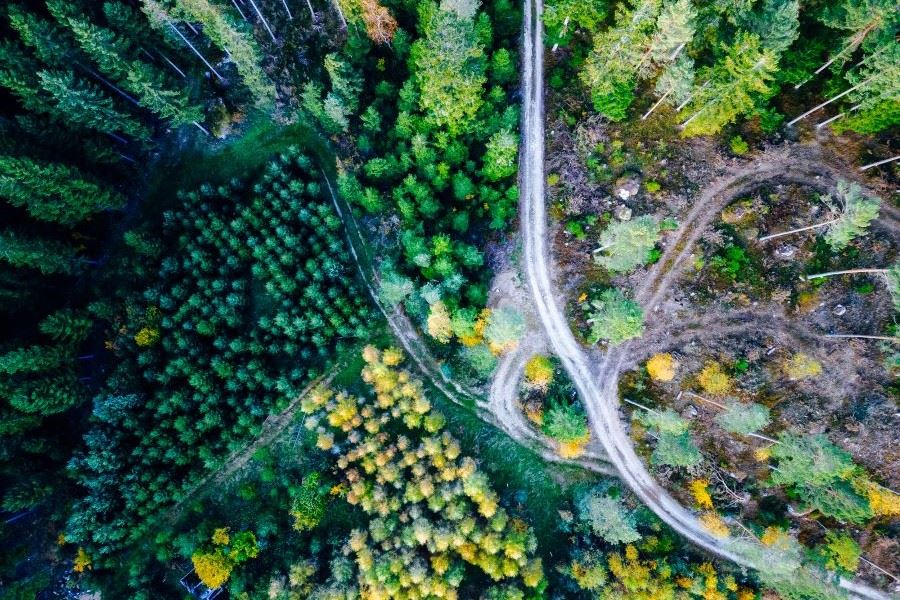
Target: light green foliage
{"type": "Point", "coordinates": [47, 256]}
{"type": "Point", "coordinates": [892, 278]}
{"type": "Point", "coordinates": [501, 155]}
{"type": "Point", "coordinates": [114, 56]}
{"type": "Point", "coordinates": [743, 418]}
{"type": "Point", "coordinates": [617, 53]}
{"type": "Point", "coordinates": [734, 83]}
{"type": "Point", "coordinates": [480, 358]}
{"type": "Point", "coordinates": [840, 553]}
{"type": "Point", "coordinates": [676, 80]}
{"type": "Point", "coordinates": [52, 191]}
{"type": "Point", "coordinates": [675, 28]}
{"type": "Point", "coordinates": [869, 24]}
{"type": "Point", "coordinates": [394, 288]}
{"type": "Point", "coordinates": [225, 34]}
{"type": "Point", "coordinates": [857, 213]}
{"type": "Point", "coordinates": [505, 327]}
{"type": "Point", "coordinates": [876, 101]}
{"type": "Point", "coordinates": [666, 421]}
{"type": "Point", "coordinates": [566, 423]}
{"type": "Point", "coordinates": [607, 517]}
{"type": "Point", "coordinates": [738, 145]}
{"type": "Point", "coordinates": [449, 64]}
{"type": "Point", "coordinates": [309, 505]}
{"type": "Point", "coordinates": [625, 245]}
{"type": "Point", "coordinates": [676, 450]}
{"type": "Point", "coordinates": [614, 318]}
{"type": "Point", "coordinates": [822, 475]}
{"type": "Point", "coordinates": [83, 103]}
{"type": "Point", "coordinates": [562, 18]}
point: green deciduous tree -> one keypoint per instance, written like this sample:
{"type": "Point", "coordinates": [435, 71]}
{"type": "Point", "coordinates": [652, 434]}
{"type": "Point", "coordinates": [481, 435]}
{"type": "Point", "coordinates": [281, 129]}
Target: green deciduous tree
{"type": "Point", "coordinates": [625, 245]}
{"type": "Point", "coordinates": [743, 418]}
{"type": "Point", "coordinates": [607, 517]}
{"type": "Point", "coordinates": [500, 157]}
{"type": "Point", "coordinates": [614, 318]}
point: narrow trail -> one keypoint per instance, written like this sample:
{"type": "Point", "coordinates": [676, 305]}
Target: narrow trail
{"type": "Point", "coordinates": [598, 385]}
{"type": "Point", "coordinates": [405, 332]}
{"type": "Point", "coordinates": [272, 429]}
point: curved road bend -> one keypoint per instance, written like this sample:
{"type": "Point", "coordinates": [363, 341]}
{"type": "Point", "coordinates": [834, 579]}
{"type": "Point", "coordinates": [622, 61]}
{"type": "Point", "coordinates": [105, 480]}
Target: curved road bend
{"type": "Point", "coordinates": [601, 400]}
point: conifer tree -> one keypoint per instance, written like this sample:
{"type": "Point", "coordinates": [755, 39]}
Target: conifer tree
{"type": "Point", "coordinates": [225, 34]}
{"type": "Point", "coordinates": [734, 84]}
{"type": "Point", "coordinates": [47, 396]}
{"type": "Point", "coordinates": [876, 100]}
{"type": "Point", "coordinates": [66, 326]}
{"type": "Point", "coordinates": [114, 57]}
{"type": "Point", "coordinates": [32, 359]}
{"type": "Point", "coordinates": [52, 191]}
{"type": "Point", "coordinates": [47, 256]}
{"type": "Point", "coordinates": [449, 64]}
{"type": "Point", "coordinates": [83, 103]}
{"type": "Point", "coordinates": [777, 24]}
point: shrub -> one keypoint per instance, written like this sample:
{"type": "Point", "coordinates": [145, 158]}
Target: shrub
{"type": "Point", "coordinates": [738, 145]}
{"type": "Point", "coordinates": [743, 418]}
{"type": "Point", "coordinates": [614, 318]}
{"type": "Point", "coordinates": [539, 371]}
{"type": "Point", "coordinates": [801, 366]}
{"type": "Point", "coordinates": [661, 367]}
{"type": "Point", "coordinates": [713, 380]}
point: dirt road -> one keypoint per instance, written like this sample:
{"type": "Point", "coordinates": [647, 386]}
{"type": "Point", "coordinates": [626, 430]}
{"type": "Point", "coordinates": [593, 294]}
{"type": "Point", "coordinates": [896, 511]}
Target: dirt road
{"type": "Point", "coordinates": [597, 384]}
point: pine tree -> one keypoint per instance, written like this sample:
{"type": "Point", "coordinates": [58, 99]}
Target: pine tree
{"type": "Point", "coordinates": [85, 104]}
{"type": "Point", "coordinates": [776, 23]}
{"type": "Point", "coordinates": [617, 53]}
{"type": "Point", "coordinates": [52, 191]}
{"type": "Point", "coordinates": [625, 245]}
{"type": "Point", "coordinates": [734, 84]}
{"type": "Point", "coordinates": [33, 359]}
{"type": "Point", "coordinates": [869, 24]}
{"type": "Point", "coordinates": [47, 396]}
{"type": "Point", "coordinates": [50, 43]}
{"type": "Point", "coordinates": [17, 74]}
{"type": "Point", "coordinates": [675, 29]}
{"type": "Point", "coordinates": [66, 326]}
{"type": "Point", "coordinates": [114, 56]}
{"type": "Point", "coordinates": [877, 98]}
{"type": "Point", "coordinates": [217, 25]}
{"type": "Point", "coordinates": [49, 257]}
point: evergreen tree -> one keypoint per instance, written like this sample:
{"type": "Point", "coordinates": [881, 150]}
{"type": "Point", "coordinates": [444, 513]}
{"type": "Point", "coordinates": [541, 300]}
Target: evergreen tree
{"type": "Point", "coordinates": [47, 396]}
{"type": "Point", "coordinates": [47, 256]}
{"type": "Point", "coordinates": [114, 56]}
{"type": "Point", "coordinates": [735, 82]}
{"type": "Point", "coordinates": [72, 99]}
{"type": "Point", "coordinates": [226, 35]}
{"type": "Point", "coordinates": [776, 23]}
{"type": "Point", "coordinates": [877, 98]}
{"type": "Point", "coordinates": [617, 53]}
{"type": "Point", "coordinates": [675, 28]}
{"type": "Point", "coordinates": [66, 326]}
{"type": "Point", "coordinates": [52, 191]}
{"type": "Point", "coordinates": [449, 64]}
{"type": "Point", "coordinates": [625, 245]}
{"type": "Point", "coordinates": [32, 359]}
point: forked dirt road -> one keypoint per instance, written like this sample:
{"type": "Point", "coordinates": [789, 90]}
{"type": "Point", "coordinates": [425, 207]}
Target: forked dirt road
{"type": "Point", "coordinates": [597, 383]}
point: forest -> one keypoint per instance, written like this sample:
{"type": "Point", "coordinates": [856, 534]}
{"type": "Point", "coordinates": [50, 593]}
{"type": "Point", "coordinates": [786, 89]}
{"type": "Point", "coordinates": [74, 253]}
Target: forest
{"type": "Point", "coordinates": [475, 299]}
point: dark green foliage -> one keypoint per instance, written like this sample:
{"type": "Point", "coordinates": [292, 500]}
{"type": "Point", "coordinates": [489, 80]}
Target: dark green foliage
{"type": "Point", "coordinates": [255, 294]}
{"type": "Point", "coordinates": [47, 256]}
{"type": "Point", "coordinates": [66, 326]}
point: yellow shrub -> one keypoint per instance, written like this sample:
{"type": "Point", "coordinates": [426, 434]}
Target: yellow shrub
{"type": "Point", "coordinates": [82, 561]}
{"type": "Point", "coordinates": [572, 448]}
{"type": "Point", "coordinates": [801, 366]}
{"type": "Point", "coordinates": [539, 371]}
{"type": "Point", "coordinates": [220, 536]}
{"type": "Point", "coordinates": [713, 380]}
{"type": "Point", "coordinates": [884, 503]}
{"type": "Point", "coordinates": [762, 454]}
{"type": "Point", "coordinates": [439, 323]}
{"type": "Point", "coordinates": [714, 524]}
{"type": "Point", "coordinates": [146, 337]}
{"type": "Point", "coordinates": [701, 493]}
{"type": "Point", "coordinates": [661, 367]}
{"type": "Point", "coordinates": [212, 568]}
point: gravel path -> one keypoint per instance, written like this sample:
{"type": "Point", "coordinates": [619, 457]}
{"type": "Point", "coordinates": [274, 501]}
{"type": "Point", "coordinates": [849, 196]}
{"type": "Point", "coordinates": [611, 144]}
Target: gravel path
{"type": "Point", "coordinates": [597, 384]}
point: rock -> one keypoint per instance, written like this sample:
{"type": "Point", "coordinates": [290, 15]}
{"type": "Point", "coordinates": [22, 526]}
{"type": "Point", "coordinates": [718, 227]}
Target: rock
{"type": "Point", "coordinates": [691, 411]}
{"type": "Point", "coordinates": [623, 213]}
{"type": "Point", "coordinates": [785, 251]}
{"type": "Point", "coordinates": [627, 187]}
{"type": "Point", "coordinates": [839, 310]}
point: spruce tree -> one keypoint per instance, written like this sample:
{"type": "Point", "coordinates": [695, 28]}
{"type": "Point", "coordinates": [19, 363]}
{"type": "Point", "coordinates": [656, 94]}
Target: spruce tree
{"type": "Point", "coordinates": [66, 326]}
{"type": "Point", "coordinates": [53, 192]}
{"type": "Point", "coordinates": [735, 83]}
{"type": "Point", "coordinates": [47, 256]}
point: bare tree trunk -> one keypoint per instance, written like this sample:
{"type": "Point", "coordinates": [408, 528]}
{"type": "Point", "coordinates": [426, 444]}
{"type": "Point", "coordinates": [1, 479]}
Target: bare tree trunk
{"type": "Point", "coordinates": [895, 340]}
{"type": "Point", "coordinates": [337, 5]}
{"type": "Point", "coordinates": [263, 19]}
{"type": "Point", "coordinates": [240, 12]}
{"type": "Point", "coordinates": [197, 52]}
{"type": "Point", "coordinates": [827, 102]}
{"type": "Point", "coordinates": [847, 272]}
{"type": "Point", "coordinates": [880, 162]}
{"type": "Point", "coordinates": [655, 106]}
{"type": "Point", "coordinates": [290, 16]}
{"type": "Point", "coordinates": [200, 127]}
{"type": "Point", "coordinates": [798, 230]}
